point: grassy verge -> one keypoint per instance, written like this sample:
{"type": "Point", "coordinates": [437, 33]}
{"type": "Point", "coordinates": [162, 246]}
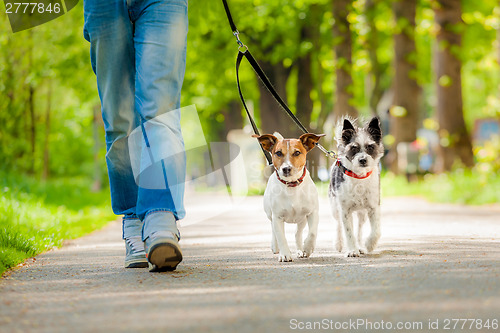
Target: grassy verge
{"type": "Point", "coordinates": [460, 186]}
{"type": "Point", "coordinates": [36, 216]}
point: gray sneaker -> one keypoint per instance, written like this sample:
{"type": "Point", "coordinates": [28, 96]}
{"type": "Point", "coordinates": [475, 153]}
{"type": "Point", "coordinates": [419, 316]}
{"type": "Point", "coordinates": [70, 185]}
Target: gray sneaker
{"type": "Point", "coordinates": [135, 256]}
{"type": "Point", "coordinates": [163, 251]}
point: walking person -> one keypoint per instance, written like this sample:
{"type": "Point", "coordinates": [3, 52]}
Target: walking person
{"type": "Point", "coordinates": [138, 53]}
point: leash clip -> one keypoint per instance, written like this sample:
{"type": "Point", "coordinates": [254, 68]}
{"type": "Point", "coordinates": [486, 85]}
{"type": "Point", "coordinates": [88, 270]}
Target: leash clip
{"type": "Point", "coordinates": [331, 154]}
{"type": "Point", "coordinates": [328, 153]}
{"type": "Point", "coordinates": [242, 47]}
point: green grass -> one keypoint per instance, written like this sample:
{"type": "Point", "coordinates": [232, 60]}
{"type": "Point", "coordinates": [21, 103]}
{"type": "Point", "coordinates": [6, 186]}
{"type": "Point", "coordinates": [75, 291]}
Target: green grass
{"type": "Point", "coordinates": [462, 186]}
{"type": "Point", "coordinates": [36, 216]}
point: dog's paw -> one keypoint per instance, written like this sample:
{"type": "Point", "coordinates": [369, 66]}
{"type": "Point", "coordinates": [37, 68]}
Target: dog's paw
{"type": "Point", "coordinates": [362, 251]}
{"type": "Point", "coordinates": [309, 245]}
{"type": "Point", "coordinates": [285, 257]}
{"type": "Point", "coordinates": [371, 243]}
{"type": "Point", "coordinates": [275, 250]}
{"type": "Point", "coordinates": [302, 254]}
{"type": "Point", "coordinates": [338, 246]}
{"type": "Point", "coordinates": [355, 253]}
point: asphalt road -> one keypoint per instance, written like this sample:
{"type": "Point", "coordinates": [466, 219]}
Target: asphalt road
{"type": "Point", "coordinates": [434, 263]}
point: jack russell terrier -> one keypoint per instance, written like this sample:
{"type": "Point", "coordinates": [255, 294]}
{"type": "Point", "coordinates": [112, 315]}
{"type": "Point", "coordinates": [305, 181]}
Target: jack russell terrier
{"type": "Point", "coordinates": [291, 195]}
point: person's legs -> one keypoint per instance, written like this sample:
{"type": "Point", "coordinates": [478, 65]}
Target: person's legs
{"type": "Point", "coordinates": [110, 33]}
{"type": "Point", "coordinates": [160, 53]}
{"type": "Point", "coordinates": [160, 48]}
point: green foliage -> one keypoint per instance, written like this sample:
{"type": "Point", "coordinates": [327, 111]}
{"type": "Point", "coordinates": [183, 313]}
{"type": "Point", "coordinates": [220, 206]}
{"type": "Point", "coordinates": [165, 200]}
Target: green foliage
{"type": "Point", "coordinates": [461, 186]}
{"type": "Point", "coordinates": [52, 62]}
{"type": "Point", "coordinates": [56, 55]}
{"type": "Point", "coordinates": [488, 158]}
{"type": "Point", "coordinates": [36, 216]}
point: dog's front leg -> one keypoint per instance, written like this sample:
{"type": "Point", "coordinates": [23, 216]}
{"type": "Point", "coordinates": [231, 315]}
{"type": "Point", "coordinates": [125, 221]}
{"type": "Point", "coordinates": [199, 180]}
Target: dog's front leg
{"type": "Point", "coordinates": [298, 239]}
{"type": "Point", "coordinates": [374, 217]}
{"type": "Point", "coordinates": [361, 222]}
{"type": "Point", "coordinates": [339, 243]}
{"type": "Point", "coordinates": [312, 225]}
{"type": "Point", "coordinates": [274, 244]}
{"type": "Point", "coordinates": [352, 246]}
{"type": "Point", "coordinates": [279, 232]}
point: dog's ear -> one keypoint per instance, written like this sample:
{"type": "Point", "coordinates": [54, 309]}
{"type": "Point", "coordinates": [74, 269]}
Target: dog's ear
{"type": "Point", "coordinates": [309, 140]}
{"type": "Point", "coordinates": [267, 141]}
{"type": "Point", "coordinates": [374, 130]}
{"type": "Point", "coordinates": [348, 131]}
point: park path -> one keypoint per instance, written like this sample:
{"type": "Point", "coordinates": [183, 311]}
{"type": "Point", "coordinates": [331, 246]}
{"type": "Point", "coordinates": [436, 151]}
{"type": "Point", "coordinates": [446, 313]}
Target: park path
{"type": "Point", "coordinates": [434, 262]}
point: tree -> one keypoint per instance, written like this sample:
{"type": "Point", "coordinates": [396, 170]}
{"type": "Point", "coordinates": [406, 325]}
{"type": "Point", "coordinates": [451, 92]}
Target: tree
{"type": "Point", "coordinates": [343, 53]}
{"type": "Point", "coordinates": [372, 44]}
{"type": "Point", "coordinates": [305, 83]}
{"type": "Point", "coordinates": [45, 71]}
{"type": "Point", "coordinates": [454, 138]}
{"type": "Point", "coordinates": [272, 117]}
{"type": "Point", "coordinates": [46, 139]}
{"type": "Point", "coordinates": [406, 103]}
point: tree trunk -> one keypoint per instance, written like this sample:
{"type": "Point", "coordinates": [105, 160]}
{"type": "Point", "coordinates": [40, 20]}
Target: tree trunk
{"type": "Point", "coordinates": [46, 152]}
{"type": "Point", "coordinates": [405, 110]}
{"type": "Point", "coordinates": [233, 117]}
{"type": "Point", "coordinates": [304, 103]}
{"type": "Point", "coordinates": [454, 138]}
{"type": "Point", "coordinates": [343, 50]}
{"type": "Point", "coordinates": [372, 45]}
{"type": "Point", "coordinates": [325, 103]}
{"type": "Point", "coordinates": [272, 117]}
{"type": "Point", "coordinates": [31, 104]}
{"type": "Point", "coordinates": [305, 85]}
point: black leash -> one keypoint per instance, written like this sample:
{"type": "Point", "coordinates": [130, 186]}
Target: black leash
{"type": "Point", "coordinates": [244, 52]}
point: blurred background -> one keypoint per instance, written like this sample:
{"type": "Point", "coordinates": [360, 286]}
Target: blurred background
{"type": "Point", "coordinates": [430, 69]}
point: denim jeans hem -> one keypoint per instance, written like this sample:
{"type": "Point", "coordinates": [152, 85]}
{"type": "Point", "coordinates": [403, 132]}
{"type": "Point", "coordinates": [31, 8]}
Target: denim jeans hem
{"type": "Point", "coordinates": [130, 217]}
{"type": "Point", "coordinates": [157, 223]}
{"type": "Point", "coordinates": [159, 210]}
{"type": "Point", "coordinates": [138, 224]}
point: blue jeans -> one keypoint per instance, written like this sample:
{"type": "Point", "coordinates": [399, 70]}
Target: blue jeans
{"type": "Point", "coordinates": [138, 53]}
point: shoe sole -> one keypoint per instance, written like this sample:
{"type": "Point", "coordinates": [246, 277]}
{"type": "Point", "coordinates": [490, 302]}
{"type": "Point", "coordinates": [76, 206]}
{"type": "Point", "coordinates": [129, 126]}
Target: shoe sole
{"type": "Point", "coordinates": [164, 256]}
{"type": "Point", "coordinates": [137, 263]}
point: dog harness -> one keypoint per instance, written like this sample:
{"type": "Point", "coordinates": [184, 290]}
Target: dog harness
{"type": "Point", "coordinates": [295, 183]}
{"type": "Point", "coordinates": [349, 172]}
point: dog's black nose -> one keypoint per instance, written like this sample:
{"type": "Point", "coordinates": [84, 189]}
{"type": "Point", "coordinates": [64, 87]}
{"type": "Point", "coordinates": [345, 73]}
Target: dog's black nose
{"type": "Point", "coordinates": [362, 161]}
{"type": "Point", "coordinates": [287, 170]}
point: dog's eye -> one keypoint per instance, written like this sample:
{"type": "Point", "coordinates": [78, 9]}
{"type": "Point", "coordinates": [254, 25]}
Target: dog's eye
{"type": "Point", "coordinates": [278, 153]}
{"type": "Point", "coordinates": [355, 149]}
{"type": "Point", "coordinates": [370, 148]}
{"type": "Point", "coordinates": [297, 153]}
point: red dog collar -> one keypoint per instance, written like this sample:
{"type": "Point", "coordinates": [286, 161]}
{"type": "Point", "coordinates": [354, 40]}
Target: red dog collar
{"type": "Point", "coordinates": [295, 183]}
{"type": "Point", "coordinates": [350, 173]}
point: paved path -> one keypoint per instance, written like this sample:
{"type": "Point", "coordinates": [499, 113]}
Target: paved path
{"type": "Point", "coordinates": [434, 262]}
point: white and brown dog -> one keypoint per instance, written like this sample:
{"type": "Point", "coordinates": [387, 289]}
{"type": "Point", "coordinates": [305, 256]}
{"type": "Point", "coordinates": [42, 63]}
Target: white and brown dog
{"type": "Point", "coordinates": [291, 195]}
{"type": "Point", "coordinates": [355, 183]}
